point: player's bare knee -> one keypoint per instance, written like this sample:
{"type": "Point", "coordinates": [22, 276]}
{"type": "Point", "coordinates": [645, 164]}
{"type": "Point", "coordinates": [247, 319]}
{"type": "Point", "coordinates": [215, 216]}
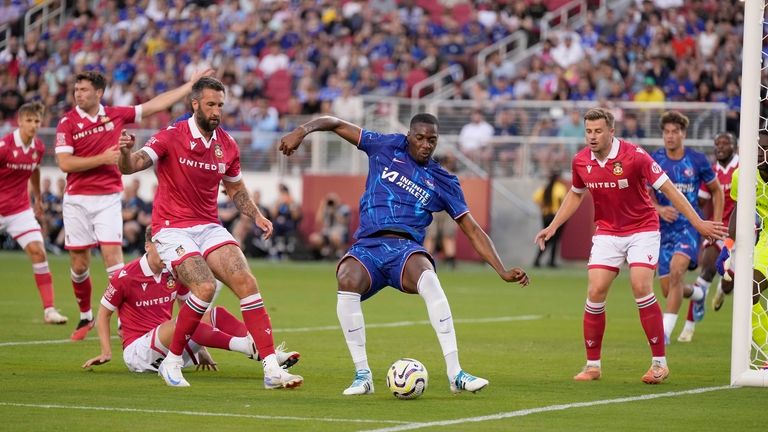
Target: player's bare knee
{"type": "Point", "coordinates": [36, 252]}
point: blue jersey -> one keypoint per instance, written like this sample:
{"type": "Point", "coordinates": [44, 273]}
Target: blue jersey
{"type": "Point", "coordinates": [687, 174]}
{"type": "Point", "coordinates": [401, 195]}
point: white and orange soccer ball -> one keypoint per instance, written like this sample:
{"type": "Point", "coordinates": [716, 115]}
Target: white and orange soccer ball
{"type": "Point", "coordinates": [407, 378]}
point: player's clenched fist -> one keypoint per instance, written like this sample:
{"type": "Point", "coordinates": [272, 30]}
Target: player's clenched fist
{"type": "Point", "coordinates": [126, 141]}
{"type": "Point", "coordinates": [289, 143]}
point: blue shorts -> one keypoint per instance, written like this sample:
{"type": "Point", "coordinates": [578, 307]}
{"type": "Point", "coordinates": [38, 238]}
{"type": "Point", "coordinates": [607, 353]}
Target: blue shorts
{"type": "Point", "coordinates": [384, 258]}
{"type": "Point", "coordinates": [685, 242]}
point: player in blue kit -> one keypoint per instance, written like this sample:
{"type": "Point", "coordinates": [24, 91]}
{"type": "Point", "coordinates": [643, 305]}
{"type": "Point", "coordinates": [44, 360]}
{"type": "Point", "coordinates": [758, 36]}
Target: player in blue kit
{"type": "Point", "coordinates": [404, 187]}
{"type": "Point", "coordinates": [688, 169]}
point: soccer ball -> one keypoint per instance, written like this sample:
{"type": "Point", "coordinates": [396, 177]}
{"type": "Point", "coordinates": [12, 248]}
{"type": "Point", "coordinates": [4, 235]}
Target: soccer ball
{"type": "Point", "coordinates": [407, 378]}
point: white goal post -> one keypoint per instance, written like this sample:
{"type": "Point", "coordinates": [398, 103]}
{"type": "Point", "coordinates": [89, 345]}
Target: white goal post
{"type": "Point", "coordinates": [747, 362]}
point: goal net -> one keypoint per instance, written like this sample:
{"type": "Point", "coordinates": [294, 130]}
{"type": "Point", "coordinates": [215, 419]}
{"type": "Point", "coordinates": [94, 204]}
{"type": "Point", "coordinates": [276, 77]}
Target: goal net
{"type": "Point", "coordinates": [749, 350]}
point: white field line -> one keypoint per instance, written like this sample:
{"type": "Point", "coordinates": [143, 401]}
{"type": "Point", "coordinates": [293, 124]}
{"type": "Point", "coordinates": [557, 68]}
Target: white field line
{"type": "Point", "coordinates": [551, 408]}
{"type": "Point", "coordinates": [322, 328]}
{"type": "Point", "coordinates": [195, 413]}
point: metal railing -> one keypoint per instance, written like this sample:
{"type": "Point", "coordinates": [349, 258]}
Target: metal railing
{"type": "Point", "coordinates": [36, 18]}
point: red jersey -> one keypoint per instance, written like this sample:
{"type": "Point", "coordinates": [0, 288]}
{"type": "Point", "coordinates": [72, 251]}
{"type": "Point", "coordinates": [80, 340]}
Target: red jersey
{"type": "Point", "coordinates": [83, 136]}
{"type": "Point", "coordinates": [189, 171]}
{"type": "Point", "coordinates": [17, 162]}
{"type": "Point", "coordinates": [725, 177]}
{"type": "Point", "coordinates": [142, 299]}
{"type": "Point", "coordinates": [618, 188]}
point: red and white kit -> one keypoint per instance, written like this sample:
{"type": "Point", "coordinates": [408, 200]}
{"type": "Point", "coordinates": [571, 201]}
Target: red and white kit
{"type": "Point", "coordinates": [91, 206]}
{"type": "Point", "coordinates": [189, 169]}
{"type": "Point", "coordinates": [17, 162]}
{"type": "Point", "coordinates": [623, 209]}
{"type": "Point", "coordinates": [144, 301]}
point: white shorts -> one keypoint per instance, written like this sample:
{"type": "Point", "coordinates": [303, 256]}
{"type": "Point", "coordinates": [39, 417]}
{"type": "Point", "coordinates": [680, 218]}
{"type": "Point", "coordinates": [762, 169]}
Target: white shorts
{"type": "Point", "coordinates": [92, 220]}
{"type": "Point", "coordinates": [639, 249]}
{"type": "Point", "coordinates": [177, 244]}
{"type": "Point", "coordinates": [145, 353]}
{"type": "Point", "coordinates": [22, 226]}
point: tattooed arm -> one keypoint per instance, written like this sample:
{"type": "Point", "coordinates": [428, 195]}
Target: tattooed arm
{"type": "Point", "coordinates": [239, 195]}
{"type": "Point", "coordinates": [131, 162]}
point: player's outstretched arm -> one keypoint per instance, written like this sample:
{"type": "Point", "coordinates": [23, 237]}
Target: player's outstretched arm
{"type": "Point", "coordinates": [163, 101]}
{"type": "Point", "coordinates": [714, 230]}
{"type": "Point", "coordinates": [70, 163]}
{"type": "Point", "coordinates": [350, 132]}
{"type": "Point", "coordinates": [569, 206]}
{"type": "Point", "coordinates": [485, 247]}
{"type": "Point", "coordinates": [239, 195]}
{"type": "Point", "coordinates": [102, 326]}
{"type": "Point", "coordinates": [129, 161]}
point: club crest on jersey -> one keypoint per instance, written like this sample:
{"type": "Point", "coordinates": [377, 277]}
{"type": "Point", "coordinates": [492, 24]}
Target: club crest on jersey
{"type": "Point", "coordinates": [34, 155]}
{"type": "Point", "coordinates": [171, 284]}
{"type": "Point", "coordinates": [180, 250]}
{"type": "Point", "coordinates": [430, 183]}
{"type": "Point", "coordinates": [105, 119]}
{"type": "Point", "coordinates": [617, 169]}
{"type": "Point", "coordinates": [217, 151]}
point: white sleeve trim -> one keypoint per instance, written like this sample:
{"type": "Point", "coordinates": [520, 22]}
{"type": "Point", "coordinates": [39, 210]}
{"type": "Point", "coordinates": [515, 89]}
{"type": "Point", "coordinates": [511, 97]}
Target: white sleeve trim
{"type": "Point", "coordinates": [234, 179]}
{"type": "Point", "coordinates": [65, 149]}
{"type": "Point", "coordinates": [139, 113]}
{"type": "Point", "coordinates": [704, 194]}
{"type": "Point", "coordinates": [461, 214]}
{"type": "Point", "coordinates": [578, 190]}
{"type": "Point", "coordinates": [150, 152]}
{"type": "Point", "coordinates": [660, 181]}
{"type": "Point", "coordinates": [182, 297]}
{"type": "Point", "coordinates": [107, 304]}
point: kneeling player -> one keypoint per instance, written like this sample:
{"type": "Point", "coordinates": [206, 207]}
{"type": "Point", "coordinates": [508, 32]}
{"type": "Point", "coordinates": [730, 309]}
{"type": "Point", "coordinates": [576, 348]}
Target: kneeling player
{"type": "Point", "coordinates": [143, 294]}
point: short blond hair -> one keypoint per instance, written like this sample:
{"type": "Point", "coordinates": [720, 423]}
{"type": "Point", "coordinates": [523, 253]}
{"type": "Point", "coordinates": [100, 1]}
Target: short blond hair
{"type": "Point", "coordinates": [600, 113]}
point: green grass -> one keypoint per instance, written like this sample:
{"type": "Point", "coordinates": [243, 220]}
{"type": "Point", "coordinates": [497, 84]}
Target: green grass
{"type": "Point", "coordinates": [529, 362]}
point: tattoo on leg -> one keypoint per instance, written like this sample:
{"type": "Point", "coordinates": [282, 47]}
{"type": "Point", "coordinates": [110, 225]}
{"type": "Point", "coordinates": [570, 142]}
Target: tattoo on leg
{"type": "Point", "coordinates": [194, 272]}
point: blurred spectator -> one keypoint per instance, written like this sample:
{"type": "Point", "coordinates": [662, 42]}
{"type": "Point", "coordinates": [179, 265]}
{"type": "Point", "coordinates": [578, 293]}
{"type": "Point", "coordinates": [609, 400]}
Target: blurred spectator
{"type": "Point", "coordinates": [630, 128]}
{"type": "Point", "coordinates": [332, 223]}
{"type": "Point", "coordinates": [348, 106]}
{"type": "Point", "coordinates": [650, 93]}
{"type": "Point", "coordinates": [732, 98]}
{"type": "Point", "coordinates": [136, 217]}
{"type": "Point", "coordinates": [286, 215]}
{"type": "Point", "coordinates": [249, 235]}
{"type": "Point", "coordinates": [572, 128]}
{"type": "Point", "coordinates": [264, 120]}
{"type": "Point", "coordinates": [475, 136]}
{"type": "Point", "coordinates": [568, 52]}
{"type": "Point", "coordinates": [549, 198]}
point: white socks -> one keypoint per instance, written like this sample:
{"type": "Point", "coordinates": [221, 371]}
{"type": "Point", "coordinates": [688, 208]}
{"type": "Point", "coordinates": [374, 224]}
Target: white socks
{"type": "Point", "coordinates": [440, 316]}
{"type": "Point", "coordinates": [350, 314]}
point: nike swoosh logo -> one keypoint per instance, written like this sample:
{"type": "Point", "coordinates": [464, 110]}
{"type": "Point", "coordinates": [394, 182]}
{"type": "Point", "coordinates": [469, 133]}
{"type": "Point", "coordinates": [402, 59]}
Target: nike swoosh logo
{"type": "Point", "coordinates": [445, 319]}
{"type": "Point", "coordinates": [397, 160]}
{"type": "Point", "coordinates": [353, 330]}
{"type": "Point", "coordinates": [171, 380]}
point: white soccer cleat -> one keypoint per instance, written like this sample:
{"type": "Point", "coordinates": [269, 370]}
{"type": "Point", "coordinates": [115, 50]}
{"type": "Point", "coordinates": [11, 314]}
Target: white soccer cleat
{"type": "Point", "coordinates": [171, 373]}
{"type": "Point", "coordinates": [363, 384]}
{"type": "Point", "coordinates": [285, 358]}
{"type": "Point", "coordinates": [464, 381]}
{"type": "Point", "coordinates": [686, 335]}
{"type": "Point", "coordinates": [276, 378]}
{"type": "Point", "coordinates": [718, 299]}
{"type": "Point", "coordinates": [53, 316]}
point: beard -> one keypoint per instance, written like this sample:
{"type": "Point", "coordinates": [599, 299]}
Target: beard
{"type": "Point", "coordinates": [204, 123]}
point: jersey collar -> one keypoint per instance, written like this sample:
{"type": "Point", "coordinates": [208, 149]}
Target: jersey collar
{"type": "Point", "coordinates": [611, 155]}
{"type": "Point", "coordinates": [82, 113]}
{"type": "Point", "coordinates": [144, 264]}
{"type": "Point", "coordinates": [19, 143]}
{"type": "Point", "coordinates": [731, 165]}
{"type": "Point", "coordinates": [197, 134]}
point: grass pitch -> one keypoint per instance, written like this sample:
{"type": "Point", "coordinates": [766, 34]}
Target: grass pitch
{"type": "Point", "coordinates": [526, 341]}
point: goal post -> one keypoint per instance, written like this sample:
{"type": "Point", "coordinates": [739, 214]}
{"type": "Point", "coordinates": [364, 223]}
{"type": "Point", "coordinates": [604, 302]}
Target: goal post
{"type": "Point", "coordinates": [747, 359]}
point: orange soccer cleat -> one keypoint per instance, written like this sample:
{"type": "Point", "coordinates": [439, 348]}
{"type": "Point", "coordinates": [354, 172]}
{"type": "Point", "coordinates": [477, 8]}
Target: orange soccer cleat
{"type": "Point", "coordinates": [656, 374]}
{"type": "Point", "coordinates": [589, 373]}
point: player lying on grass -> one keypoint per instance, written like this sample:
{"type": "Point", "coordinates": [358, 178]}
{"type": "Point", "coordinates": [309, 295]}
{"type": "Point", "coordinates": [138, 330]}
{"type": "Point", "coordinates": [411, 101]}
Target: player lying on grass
{"type": "Point", "coordinates": [143, 294]}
